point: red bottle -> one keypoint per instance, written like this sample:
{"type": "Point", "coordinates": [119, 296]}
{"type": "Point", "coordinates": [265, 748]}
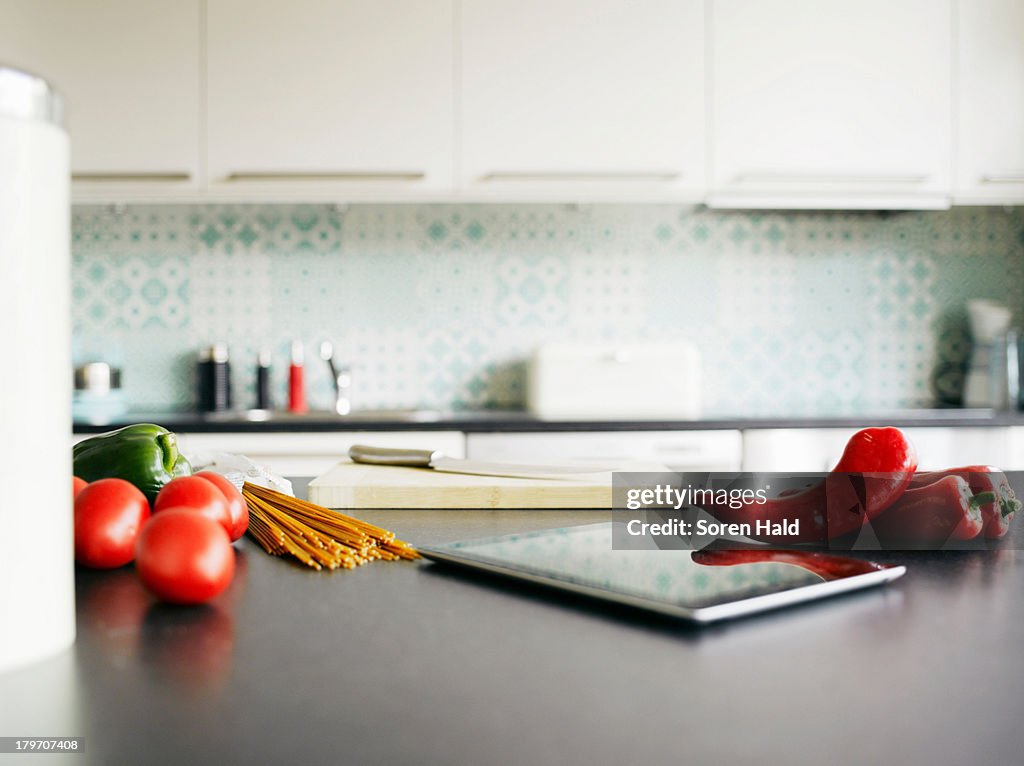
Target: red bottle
{"type": "Point", "coordinates": [296, 381]}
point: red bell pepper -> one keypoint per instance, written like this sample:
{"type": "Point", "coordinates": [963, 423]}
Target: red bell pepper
{"type": "Point", "coordinates": [875, 469]}
{"type": "Point", "coordinates": [997, 514]}
{"type": "Point", "coordinates": [873, 472]}
{"type": "Point", "coordinates": [931, 515]}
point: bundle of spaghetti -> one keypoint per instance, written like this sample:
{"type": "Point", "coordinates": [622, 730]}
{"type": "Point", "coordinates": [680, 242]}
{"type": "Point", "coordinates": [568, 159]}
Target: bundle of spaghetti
{"type": "Point", "coordinates": [280, 535]}
{"type": "Point", "coordinates": [290, 513]}
{"type": "Point", "coordinates": [317, 536]}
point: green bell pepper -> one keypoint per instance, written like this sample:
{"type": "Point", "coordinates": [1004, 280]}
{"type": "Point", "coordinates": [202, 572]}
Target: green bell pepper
{"type": "Point", "coordinates": [144, 454]}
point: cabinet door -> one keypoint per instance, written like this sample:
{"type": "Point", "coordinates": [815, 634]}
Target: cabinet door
{"type": "Point", "coordinates": [831, 103]}
{"type": "Point", "coordinates": [819, 449]}
{"type": "Point", "coordinates": [794, 449]}
{"type": "Point", "coordinates": [348, 93]}
{"type": "Point", "coordinates": [677, 450]}
{"type": "Point", "coordinates": [129, 73]}
{"type": "Point", "coordinates": [1015, 460]}
{"type": "Point", "coordinates": [991, 102]}
{"type": "Point", "coordinates": [585, 95]}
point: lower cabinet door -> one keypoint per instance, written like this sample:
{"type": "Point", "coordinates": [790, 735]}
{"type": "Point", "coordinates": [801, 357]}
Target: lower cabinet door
{"type": "Point", "coordinates": [819, 449]}
{"type": "Point", "coordinates": [677, 450]}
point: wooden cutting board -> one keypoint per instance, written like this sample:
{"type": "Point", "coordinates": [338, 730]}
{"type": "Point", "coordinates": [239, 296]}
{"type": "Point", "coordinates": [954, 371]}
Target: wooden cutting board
{"type": "Point", "coordinates": [355, 485]}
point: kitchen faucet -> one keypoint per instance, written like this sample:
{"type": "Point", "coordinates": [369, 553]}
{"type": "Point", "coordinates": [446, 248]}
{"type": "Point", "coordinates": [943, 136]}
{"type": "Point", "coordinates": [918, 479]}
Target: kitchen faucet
{"type": "Point", "coordinates": [342, 377]}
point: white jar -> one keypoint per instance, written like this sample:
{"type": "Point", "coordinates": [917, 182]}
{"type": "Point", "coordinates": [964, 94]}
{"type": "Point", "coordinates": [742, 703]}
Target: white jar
{"type": "Point", "coordinates": [37, 593]}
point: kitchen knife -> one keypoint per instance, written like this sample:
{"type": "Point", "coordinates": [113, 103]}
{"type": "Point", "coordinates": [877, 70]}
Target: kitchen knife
{"type": "Point", "coordinates": [436, 460]}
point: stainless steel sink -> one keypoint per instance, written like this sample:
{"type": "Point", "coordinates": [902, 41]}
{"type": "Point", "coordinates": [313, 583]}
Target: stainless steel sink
{"type": "Point", "coordinates": [326, 416]}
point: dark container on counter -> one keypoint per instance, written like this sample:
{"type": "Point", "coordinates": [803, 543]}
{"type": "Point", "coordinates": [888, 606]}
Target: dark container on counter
{"type": "Point", "coordinates": [214, 373]}
{"type": "Point", "coordinates": [263, 381]}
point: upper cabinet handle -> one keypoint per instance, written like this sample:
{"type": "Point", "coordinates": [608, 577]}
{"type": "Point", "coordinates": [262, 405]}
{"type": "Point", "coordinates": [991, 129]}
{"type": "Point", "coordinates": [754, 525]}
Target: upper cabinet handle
{"type": "Point", "coordinates": [572, 175]}
{"type": "Point", "coordinates": [356, 175]}
{"type": "Point", "coordinates": [1013, 177]}
{"type": "Point", "coordinates": [143, 177]}
{"type": "Point", "coordinates": [838, 178]}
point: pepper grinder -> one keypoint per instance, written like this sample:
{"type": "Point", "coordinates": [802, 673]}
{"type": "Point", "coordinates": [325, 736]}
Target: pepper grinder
{"type": "Point", "coordinates": [215, 379]}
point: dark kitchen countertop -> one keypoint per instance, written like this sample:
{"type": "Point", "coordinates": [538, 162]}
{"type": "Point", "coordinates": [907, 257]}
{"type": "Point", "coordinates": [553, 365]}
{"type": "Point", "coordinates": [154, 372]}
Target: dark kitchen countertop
{"type": "Point", "coordinates": [486, 421]}
{"type": "Point", "coordinates": [411, 663]}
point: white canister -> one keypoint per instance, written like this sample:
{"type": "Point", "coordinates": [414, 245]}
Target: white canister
{"type": "Point", "coordinates": [37, 592]}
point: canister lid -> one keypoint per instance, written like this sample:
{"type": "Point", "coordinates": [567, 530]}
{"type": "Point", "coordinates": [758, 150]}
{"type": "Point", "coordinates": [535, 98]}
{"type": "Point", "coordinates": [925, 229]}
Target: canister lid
{"type": "Point", "coordinates": [29, 97]}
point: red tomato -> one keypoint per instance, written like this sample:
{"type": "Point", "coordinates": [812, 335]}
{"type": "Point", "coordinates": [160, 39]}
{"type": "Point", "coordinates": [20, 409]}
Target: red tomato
{"type": "Point", "coordinates": [108, 516]}
{"type": "Point", "coordinates": [184, 557]}
{"type": "Point", "coordinates": [77, 485]}
{"type": "Point", "coordinates": [237, 508]}
{"type": "Point", "coordinates": [196, 494]}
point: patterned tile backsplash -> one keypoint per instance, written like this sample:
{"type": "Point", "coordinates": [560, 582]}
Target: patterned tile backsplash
{"type": "Point", "coordinates": [438, 305]}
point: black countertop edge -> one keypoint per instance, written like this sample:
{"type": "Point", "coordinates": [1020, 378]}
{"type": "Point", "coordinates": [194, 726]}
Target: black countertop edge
{"type": "Point", "coordinates": [521, 422]}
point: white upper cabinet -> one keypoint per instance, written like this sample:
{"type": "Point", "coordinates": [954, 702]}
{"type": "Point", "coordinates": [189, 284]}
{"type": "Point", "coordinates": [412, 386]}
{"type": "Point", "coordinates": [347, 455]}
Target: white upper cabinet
{"type": "Point", "coordinates": [739, 103]}
{"type": "Point", "coordinates": [129, 73]}
{"type": "Point", "coordinates": [990, 166]}
{"type": "Point", "coordinates": [602, 96]}
{"type": "Point", "coordinates": [831, 103]}
{"type": "Point", "coordinates": [353, 95]}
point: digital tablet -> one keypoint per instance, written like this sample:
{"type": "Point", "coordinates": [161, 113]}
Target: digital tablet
{"type": "Point", "coordinates": [702, 586]}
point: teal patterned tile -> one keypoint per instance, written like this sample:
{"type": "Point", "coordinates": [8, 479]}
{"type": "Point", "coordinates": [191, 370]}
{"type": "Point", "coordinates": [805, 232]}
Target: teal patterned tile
{"type": "Point", "coordinates": [368, 228]}
{"type": "Point", "coordinates": [531, 289]}
{"type": "Point", "coordinates": [439, 305]}
{"type": "Point", "coordinates": [158, 367]}
{"type": "Point", "coordinates": [458, 290]}
{"type": "Point", "coordinates": [128, 293]}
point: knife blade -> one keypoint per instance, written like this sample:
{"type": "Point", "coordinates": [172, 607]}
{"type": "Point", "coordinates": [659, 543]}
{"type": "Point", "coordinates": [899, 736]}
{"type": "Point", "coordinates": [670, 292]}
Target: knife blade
{"type": "Point", "coordinates": [438, 461]}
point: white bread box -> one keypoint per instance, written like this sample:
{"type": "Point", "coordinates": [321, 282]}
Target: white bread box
{"type": "Point", "coordinates": [656, 380]}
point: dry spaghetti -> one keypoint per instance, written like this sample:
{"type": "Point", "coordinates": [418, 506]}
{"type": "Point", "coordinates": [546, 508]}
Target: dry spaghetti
{"type": "Point", "coordinates": [316, 536]}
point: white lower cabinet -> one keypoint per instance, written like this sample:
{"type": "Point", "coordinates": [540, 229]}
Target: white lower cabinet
{"type": "Point", "coordinates": [1016, 458]}
{"type": "Point", "coordinates": [767, 449]}
{"type": "Point", "coordinates": [678, 450]}
{"type": "Point", "coordinates": [311, 453]}
{"type": "Point", "coordinates": [818, 449]}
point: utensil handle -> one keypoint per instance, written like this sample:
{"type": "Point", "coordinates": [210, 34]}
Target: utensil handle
{"type": "Point", "coordinates": [830, 177]}
{"type": "Point", "coordinates": [638, 176]}
{"type": "Point", "coordinates": [287, 176]}
{"type": "Point", "coordinates": [1003, 178]}
{"type": "Point", "coordinates": [415, 458]}
{"type": "Point", "coordinates": [154, 176]}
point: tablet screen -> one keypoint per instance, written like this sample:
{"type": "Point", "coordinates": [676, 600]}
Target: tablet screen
{"type": "Point", "coordinates": [685, 581]}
